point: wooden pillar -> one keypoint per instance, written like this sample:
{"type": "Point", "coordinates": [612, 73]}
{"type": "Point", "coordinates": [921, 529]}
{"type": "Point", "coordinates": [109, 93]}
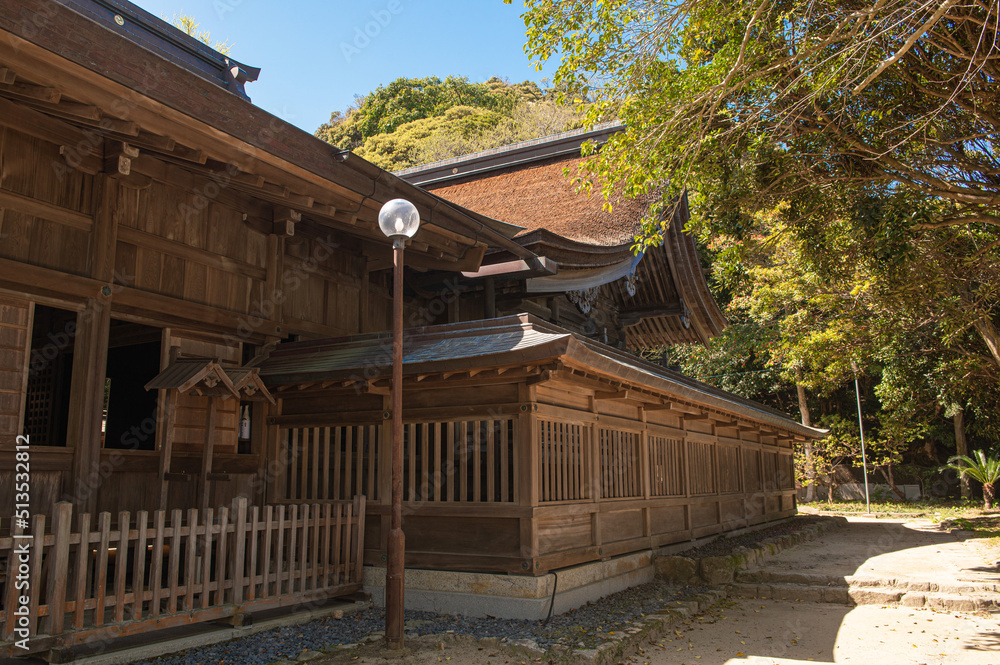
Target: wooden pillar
{"type": "Point", "coordinates": [206, 454]}
{"type": "Point", "coordinates": [169, 405]}
{"type": "Point", "coordinates": [526, 484]}
{"type": "Point", "coordinates": [90, 354]}
{"type": "Point", "coordinates": [86, 402]}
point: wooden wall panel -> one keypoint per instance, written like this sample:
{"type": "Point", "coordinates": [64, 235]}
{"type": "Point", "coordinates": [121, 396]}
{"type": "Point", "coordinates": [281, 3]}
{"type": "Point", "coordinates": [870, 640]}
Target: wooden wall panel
{"type": "Point", "coordinates": [564, 532]}
{"type": "Point", "coordinates": [667, 519]}
{"type": "Point", "coordinates": [30, 169]}
{"type": "Point", "coordinates": [15, 349]}
{"type": "Point", "coordinates": [621, 525]}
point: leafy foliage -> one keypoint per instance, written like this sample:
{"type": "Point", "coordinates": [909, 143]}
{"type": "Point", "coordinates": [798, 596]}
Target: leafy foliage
{"type": "Point", "coordinates": [414, 121]}
{"type": "Point", "coordinates": [983, 469]}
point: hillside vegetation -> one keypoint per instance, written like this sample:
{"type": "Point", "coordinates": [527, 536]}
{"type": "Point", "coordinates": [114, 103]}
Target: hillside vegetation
{"type": "Point", "coordinates": [415, 121]}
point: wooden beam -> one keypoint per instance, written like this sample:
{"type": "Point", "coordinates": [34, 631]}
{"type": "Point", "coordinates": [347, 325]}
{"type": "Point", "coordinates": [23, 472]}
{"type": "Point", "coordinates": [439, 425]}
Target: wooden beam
{"type": "Point", "coordinates": [31, 91]}
{"type": "Point", "coordinates": [285, 219]}
{"type": "Point", "coordinates": [118, 157]}
{"type": "Point", "coordinates": [7, 76]}
{"type": "Point", "coordinates": [43, 210]}
{"type": "Point", "coordinates": [633, 316]}
{"type": "Point", "coordinates": [613, 394]}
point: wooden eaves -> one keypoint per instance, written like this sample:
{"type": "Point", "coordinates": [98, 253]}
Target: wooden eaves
{"type": "Point", "coordinates": [111, 103]}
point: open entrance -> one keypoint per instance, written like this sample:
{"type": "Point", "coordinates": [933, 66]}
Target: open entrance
{"type": "Point", "coordinates": [130, 420]}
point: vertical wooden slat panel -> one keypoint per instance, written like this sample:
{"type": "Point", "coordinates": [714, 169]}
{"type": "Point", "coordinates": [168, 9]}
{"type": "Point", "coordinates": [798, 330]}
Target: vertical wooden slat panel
{"type": "Point", "coordinates": [279, 553]}
{"type": "Point", "coordinates": [239, 546]}
{"type": "Point", "coordinates": [477, 460]}
{"type": "Point", "coordinates": [293, 465]}
{"type": "Point", "coordinates": [411, 462]}
{"type": "Point", "coordinates": [304, 547]}
{"type": "Point", "coordinates": [504, 461]}
{"type": "Point", "coordinates": [348, 460]}
{"type": "Point", "coordinates": [293, 543]}
{"type": "Point", "coordinates": [266, 554]}
{"type": "Point", "coordinates": [425, 452]}
{"type": "Point", "coordinates": [463, 441]}
{"type": "Point", "coordinates": [222, 556]}
{"type": "Point", "coordinates": [35, 576]}
{"type": "Point", "coordinates": [359, 538]}
{"type": "Point", "coordinates": [191, 548]}
{"type": "Point", "coordinates": [372, 489]}
{"type": "Point", "coordinates": [101, 574]}
{"type": "Point", "coordinates": [139, 566]}
{"type": "Point", "coordinates": [437, 428]}
{"type": "Point", "coordinates": [303, 465]}
{"type": "Point", "coordinates": [336, 543]}
{"type": "Point", "coordinates": [338, 469]}
{"type": "Point", "coordinates": [208, 529]}
{"type": "Point", "coordinates": [323, 563]}
{"type": "Point", "coordinates": [121, 563]}
{"type": "Point", "coordinates": [315, 491]}
{"type": "Point", "coordinates": [251, 593]}
{"type": "Point", "coordinates": [325, 494]}
{"type": "Point", "coordinates": [156, 565]}
{"type": "Point", "coordinates": [359, 466]}
{"type": "Point", "coordinates": [450, 447]}
{"type": "Point", "coordinates": [345, 554]}
{"type": "Point", "coordinates": [58, 569]}
{"type": "Point", "coordinates": [491, 466]}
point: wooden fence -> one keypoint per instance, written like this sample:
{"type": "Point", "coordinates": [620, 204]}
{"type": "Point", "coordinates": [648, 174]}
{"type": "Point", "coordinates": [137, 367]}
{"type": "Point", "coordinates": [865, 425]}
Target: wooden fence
{"type": "Point", "coordinates": [103, 580]}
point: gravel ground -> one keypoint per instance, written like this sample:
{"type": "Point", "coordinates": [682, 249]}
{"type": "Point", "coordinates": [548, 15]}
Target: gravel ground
{"type": "Point", "coordinates": [585, 627]}
{"type": "Point", "coordinates": [726, 544]}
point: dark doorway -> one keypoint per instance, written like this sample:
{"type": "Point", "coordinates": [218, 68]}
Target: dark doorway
{"type": "Point", "coordinates": [50, 372]}
{"type": "Point", "coordinates": [133, 359]}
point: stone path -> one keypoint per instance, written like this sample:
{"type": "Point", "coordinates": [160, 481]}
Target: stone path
{"type": "Point", "coordinates": [891, 571]}
{"type": "Point", "coordinates": [909, 563]}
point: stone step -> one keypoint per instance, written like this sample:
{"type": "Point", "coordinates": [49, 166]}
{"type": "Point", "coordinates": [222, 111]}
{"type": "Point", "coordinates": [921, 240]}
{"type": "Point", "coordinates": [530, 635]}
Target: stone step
{"type": "Point", "coordinates": [765, 576]}
{"type": "Point", "coordinates": [869, 595]}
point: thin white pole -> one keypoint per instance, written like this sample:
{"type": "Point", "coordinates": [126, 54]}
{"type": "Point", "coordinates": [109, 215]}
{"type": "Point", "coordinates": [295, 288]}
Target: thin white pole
{"type": "Point", "coordinates": [861, 427]}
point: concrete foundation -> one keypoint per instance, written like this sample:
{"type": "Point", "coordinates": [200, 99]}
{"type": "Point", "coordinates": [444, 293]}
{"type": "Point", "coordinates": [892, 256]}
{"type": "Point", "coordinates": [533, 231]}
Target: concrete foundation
{"type": "Point", "coordinates": [514, 596]}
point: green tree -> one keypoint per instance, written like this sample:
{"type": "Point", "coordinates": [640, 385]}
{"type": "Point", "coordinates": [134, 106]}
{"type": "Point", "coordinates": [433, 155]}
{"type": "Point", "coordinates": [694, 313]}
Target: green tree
{"type": "Point", "coordinates": [414, 121]}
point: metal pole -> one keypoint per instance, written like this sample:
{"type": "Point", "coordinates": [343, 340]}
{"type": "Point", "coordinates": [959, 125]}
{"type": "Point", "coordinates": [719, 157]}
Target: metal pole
{"type": "Point", "coordinates": [861, 427]}
{"type": "Point", "coordinates": [396, 545]}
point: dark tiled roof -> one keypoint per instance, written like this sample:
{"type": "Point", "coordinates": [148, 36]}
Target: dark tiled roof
{"type": "Point", "coordinates": [507, 341]}
{"type": "Point", "coordinates": [540, 196]}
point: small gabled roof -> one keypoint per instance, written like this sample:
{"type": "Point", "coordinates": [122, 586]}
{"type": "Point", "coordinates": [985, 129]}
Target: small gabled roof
{"type": "Point", "coordinates": [249, 385]}
{"type": "Point", "coordinates": [198, 376]}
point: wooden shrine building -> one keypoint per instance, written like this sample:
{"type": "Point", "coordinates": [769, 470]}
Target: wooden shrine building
{"type": "Point", "coordinates": [194, 296]}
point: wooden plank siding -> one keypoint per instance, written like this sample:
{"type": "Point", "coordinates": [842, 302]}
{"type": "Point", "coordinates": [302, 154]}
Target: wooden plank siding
{"type": "Point", "coordinates": [164, 253]}
{"type": "Point", "coordinates": [603, 478]}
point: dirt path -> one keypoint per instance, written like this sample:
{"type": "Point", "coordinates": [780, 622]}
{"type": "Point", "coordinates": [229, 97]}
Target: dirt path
{"type": "Point", "coordinates": [760, 631]}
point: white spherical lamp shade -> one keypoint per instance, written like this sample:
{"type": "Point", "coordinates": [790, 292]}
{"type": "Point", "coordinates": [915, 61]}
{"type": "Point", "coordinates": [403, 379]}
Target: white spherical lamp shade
{"type": "Point", "coordinates": [399, 219]}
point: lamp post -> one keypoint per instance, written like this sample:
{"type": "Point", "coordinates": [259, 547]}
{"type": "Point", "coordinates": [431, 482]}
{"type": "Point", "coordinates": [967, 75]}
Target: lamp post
{"type": "Point", "coordinates": [861, 428]}
{"type": "Point", "coordinates": [399, 221]}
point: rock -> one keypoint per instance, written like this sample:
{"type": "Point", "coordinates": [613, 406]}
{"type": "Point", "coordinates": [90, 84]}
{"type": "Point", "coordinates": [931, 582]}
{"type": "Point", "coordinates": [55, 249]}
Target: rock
{"type": "Point", "coordinates": [676, 569]}
{"type": "Point", "coordinates": [718, 569]}
{"type": "Point", "coordinates": [308, 655]}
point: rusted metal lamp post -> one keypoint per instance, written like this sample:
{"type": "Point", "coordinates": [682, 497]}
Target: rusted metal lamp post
{"type": "Point", "coordinates": [399, 220]}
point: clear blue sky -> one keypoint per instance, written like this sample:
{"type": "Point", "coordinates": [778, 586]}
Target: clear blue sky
{"type": "Point", "coordinates": [313, 60]}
